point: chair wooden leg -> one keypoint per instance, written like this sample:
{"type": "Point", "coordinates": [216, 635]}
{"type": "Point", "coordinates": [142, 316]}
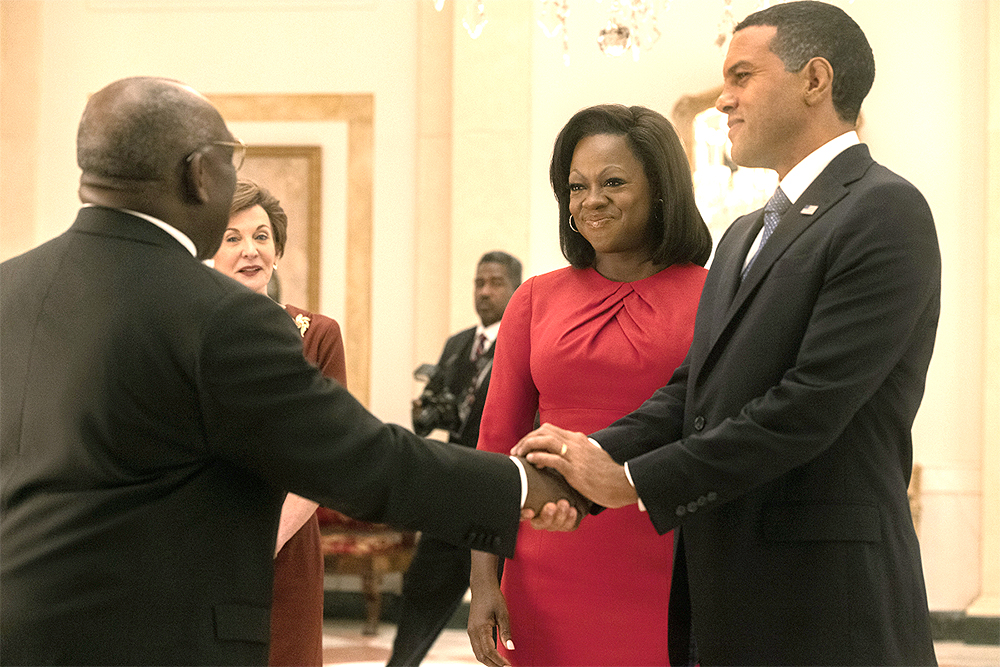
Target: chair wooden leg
{"type": "Point", "coordinates": [372, 585]}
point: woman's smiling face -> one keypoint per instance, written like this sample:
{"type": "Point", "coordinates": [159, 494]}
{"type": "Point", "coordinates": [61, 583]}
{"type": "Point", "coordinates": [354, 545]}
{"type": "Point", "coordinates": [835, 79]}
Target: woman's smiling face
{"type": "Point", "coordinates": [247, 252]}
{"type": "Point", "coordinates": [610, 197]}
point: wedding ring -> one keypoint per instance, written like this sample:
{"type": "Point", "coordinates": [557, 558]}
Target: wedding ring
{"type": "Point", "coordinates": [563, 451]}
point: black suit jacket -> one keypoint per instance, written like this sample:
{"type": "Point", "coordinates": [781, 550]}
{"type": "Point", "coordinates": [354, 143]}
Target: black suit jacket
{"type": "Point", "coordinates": [789, 433]}
{"type": "Point", "coordinates": [457, 373]}
{"type": "Point", "coordinates": [153, 413]}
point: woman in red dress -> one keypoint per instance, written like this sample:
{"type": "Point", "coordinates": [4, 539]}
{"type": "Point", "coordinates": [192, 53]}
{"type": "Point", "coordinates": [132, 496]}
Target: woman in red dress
{"type": "Point", "coordinates": [251, 246]}
{"type": "Point", "coordinates": [581, 347]}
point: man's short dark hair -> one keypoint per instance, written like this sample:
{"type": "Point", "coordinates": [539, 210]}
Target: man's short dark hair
{"type": "Point", "coordinates": [808, 29]}
{"type": "Point", "coordinates": [511, 263]}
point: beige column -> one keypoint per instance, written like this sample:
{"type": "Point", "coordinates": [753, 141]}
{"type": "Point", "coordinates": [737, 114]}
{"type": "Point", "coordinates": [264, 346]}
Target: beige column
{"type": "Point", "coordinates": [20, 97]}
{"type": "Point", "coordinates": [491, 144]}
{"type": "Point", "coordinates": [434, 147]}
{"type": "Point", "coordinates": [988, 602]}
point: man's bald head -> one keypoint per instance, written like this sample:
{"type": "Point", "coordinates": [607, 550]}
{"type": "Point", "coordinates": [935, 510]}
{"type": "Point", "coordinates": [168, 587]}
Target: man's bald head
{"type": "Point", "coordinates": [153, 145]}
{"type": "Point", "coordinates": [137, 128]}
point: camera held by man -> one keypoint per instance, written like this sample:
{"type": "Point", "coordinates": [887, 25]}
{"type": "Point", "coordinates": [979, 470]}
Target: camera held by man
{"type": "Point", "coordinates": [453, 401]}
{"type": "Point", "coordinates": [434, 409]}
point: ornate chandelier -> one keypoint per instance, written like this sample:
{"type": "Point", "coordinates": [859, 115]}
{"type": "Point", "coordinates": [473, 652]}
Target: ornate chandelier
{"type": "Point", "coordinates": [631, 25]}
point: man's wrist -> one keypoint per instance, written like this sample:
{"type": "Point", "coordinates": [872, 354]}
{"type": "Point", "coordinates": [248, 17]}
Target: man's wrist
{"type": "Point", "coordinates": [628, 476]}
{"type": "Point", "coordinates": [524, 479]}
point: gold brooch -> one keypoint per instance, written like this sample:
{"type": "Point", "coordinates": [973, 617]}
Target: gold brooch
{"type": "Point", "coordinates": [302, 322]}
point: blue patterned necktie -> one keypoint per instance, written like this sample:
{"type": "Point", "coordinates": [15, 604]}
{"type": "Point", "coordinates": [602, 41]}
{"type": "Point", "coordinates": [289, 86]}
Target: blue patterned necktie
{"type": "Point", "coordinates": [773, 210]}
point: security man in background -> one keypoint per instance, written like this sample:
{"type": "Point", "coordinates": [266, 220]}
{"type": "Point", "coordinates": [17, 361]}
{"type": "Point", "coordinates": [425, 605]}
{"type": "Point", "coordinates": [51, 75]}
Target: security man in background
{"type": "Point", "coordinates": [452, 400]}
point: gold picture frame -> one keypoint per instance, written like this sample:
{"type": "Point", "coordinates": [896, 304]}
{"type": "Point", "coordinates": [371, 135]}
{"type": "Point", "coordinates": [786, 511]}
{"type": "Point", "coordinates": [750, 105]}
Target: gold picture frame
{"type": "Point", "coordinates": [357, 111]}
{"type": "Point", "coordinates": [293, 174]}
{"type": "Point", "coordinates": [684, 112]}
{"type": "Point", "coordinates": [723, 191]}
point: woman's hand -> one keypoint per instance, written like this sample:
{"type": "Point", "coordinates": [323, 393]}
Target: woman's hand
{"type": "Point", "coordinates": [487, 611]}
{"type": "Point", "coordinates": [560, 516]}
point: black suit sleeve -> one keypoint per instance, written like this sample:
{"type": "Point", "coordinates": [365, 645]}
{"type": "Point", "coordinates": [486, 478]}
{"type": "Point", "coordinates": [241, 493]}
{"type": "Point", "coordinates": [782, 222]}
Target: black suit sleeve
{"type": "Point", "coordinates": [259, 390]}
{"type": "Point", "coordinates": [833, 347]}
{"type": "Point", "coordinates": [456, 350]}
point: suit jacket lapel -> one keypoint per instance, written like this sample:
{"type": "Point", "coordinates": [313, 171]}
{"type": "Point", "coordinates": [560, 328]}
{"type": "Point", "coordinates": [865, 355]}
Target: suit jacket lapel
{"type": "Point", "coordinates": [733, 265]}
{"type": "Point", "coordinates": [826, 190]}
{"type": "Point", "coordinates": [723, 280]}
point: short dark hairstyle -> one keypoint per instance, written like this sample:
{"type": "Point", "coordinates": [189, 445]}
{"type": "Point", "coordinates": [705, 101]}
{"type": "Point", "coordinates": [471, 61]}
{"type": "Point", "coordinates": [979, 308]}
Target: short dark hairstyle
{"type": "Point", "coordinates": [676, 232]}
{"type": "Point", "coordinates": [247, 195]}
{"type": "Point", "coordinates": [136, 137]}
{"type": "Point", "coordinates": [808, 29]}
{"type": "Point", "coordinates": [511, 263]}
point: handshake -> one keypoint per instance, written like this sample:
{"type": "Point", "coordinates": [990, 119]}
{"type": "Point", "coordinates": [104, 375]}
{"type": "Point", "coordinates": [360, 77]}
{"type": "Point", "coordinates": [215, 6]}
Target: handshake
{"type": "Point", "coordinates": [567, 474]}
{"type": "Point", "coordinates": [551, 501]}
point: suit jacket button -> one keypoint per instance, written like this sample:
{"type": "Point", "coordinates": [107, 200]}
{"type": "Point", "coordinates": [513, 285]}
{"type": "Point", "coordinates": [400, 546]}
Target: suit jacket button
{"type": "Point", "coordinates": [699, 423]}
{"type": "Point", "coordinates": [712, 496]}
{"type": "Point", "coordinates": [692, 506]}
{"type": "Point", "coordinates": [681, 510]}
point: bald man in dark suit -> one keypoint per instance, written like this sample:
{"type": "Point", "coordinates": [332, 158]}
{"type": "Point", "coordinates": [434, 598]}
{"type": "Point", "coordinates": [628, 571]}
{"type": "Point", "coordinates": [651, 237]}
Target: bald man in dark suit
{"type": "Point", "coordinates": [155, 412]}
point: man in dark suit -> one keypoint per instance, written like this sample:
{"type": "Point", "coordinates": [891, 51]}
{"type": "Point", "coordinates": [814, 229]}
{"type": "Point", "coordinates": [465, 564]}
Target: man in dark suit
{"type": "Point", "coordinates": [781, 448]}
{"type": "Point", "coordinates": [154, 412]}
{"type": "Point", "coordinates": [453, 400]}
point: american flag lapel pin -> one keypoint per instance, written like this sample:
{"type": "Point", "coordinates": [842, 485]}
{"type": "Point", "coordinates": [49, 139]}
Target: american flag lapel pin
{"type": "Point", "coordinates": [809, 210]}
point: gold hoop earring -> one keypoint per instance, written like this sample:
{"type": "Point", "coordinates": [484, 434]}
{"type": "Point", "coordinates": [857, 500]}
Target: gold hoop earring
{"type": "Point", "coordinates": [572, 225]}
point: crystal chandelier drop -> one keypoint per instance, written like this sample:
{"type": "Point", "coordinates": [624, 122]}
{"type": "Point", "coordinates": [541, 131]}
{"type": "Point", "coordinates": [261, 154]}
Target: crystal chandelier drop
{"type": "Point", "coordinates": [727, 23]}
{"type": "Point", "coordinates": [631, 25]}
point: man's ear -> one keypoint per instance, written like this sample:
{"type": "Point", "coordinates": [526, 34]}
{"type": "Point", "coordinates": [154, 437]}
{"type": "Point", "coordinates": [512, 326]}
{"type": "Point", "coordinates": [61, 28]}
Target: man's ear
{"type": "Point", "coordinates": [818, 76]}
{"type": "Point", "coordinates": [196, 179]}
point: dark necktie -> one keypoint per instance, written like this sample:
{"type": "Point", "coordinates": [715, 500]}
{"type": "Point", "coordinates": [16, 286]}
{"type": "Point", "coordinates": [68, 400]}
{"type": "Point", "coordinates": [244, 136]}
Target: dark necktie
{"type": "Point", "coordinates": [480, 348]}
{"type": "Point", "coordinates": [773, 210]}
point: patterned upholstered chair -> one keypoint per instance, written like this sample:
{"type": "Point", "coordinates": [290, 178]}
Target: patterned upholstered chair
{"type": "Point", "coordinates": [368, 550]}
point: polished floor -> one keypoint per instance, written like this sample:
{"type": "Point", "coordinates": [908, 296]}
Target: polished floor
{"type": "Point", "coordinates": [343, 644]}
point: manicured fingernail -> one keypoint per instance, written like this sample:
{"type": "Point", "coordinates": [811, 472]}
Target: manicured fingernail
{"type": "Point", "coordinates": [510, 645]}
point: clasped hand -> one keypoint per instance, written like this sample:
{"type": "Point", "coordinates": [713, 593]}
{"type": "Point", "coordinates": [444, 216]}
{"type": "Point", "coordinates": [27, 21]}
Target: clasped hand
{"type": "Point", "coordinates": [586, 467]}
{"type": "Point", "coordinates": [552, 504]}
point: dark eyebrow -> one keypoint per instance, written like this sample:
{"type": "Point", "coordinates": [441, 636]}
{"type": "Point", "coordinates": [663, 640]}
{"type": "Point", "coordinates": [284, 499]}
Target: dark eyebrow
{"type": "Point", "coordinates": [737, 65]}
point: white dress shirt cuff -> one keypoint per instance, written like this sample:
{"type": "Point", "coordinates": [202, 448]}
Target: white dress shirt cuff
{"type": "Point", "coordinates": [524, 479]}
{"type": "Point", "coordinates": [628, 475]}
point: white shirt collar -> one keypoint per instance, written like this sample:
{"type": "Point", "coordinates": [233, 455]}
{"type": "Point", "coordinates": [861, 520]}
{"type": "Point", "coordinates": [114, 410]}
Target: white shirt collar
{"type": "Point", "coordinates": [490, 331]}
{"type": "Point", "coordinates": [805, 172]}
{"type": "Point", "coordinates": [181, 237]}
